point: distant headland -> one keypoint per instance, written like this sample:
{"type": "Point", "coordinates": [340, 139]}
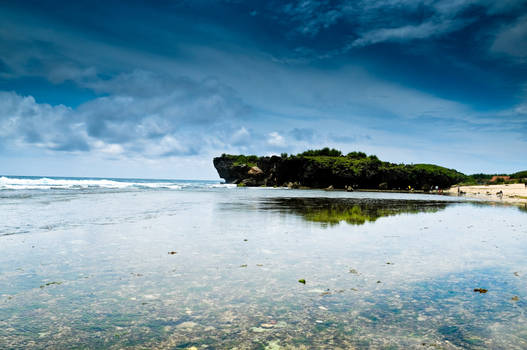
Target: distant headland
{"type": "Point", "coordinates": [331, 169]}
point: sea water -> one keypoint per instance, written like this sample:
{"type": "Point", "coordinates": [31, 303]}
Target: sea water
{"type": "Point", "coordinates": [157, 264]}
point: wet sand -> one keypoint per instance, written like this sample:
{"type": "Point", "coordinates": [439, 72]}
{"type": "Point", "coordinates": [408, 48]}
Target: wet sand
{"type": "Point", "coordinates": [511, 193]}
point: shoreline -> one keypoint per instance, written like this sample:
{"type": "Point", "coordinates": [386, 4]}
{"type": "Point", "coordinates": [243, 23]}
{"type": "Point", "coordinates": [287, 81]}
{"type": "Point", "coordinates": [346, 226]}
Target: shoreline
{"type": "Point", "coordinates": [511, 194]}
{"type": "Point", "coordinates": [505, 193]}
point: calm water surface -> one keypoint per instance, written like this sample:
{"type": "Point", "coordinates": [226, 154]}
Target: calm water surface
{"type": "Point", "coordinates": [179, 265]}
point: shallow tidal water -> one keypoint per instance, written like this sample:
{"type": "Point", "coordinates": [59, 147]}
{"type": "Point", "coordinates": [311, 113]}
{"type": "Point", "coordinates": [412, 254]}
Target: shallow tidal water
{"type": "Point", "coordinates": [219, 267]}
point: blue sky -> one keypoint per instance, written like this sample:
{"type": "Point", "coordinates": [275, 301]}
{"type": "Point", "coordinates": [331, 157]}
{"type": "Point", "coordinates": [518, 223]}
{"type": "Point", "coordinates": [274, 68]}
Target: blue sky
{"type": "Point", "coordinates": [156, 89]}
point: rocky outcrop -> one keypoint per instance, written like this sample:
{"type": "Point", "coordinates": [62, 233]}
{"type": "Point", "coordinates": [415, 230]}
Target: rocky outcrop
{"type": "Point", "coordinates": [328, 172]}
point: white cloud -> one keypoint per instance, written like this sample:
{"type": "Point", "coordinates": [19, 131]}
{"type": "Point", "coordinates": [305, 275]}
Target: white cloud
{"type": "Point", "coordinates": [112, 149]}
{"type": "Point", "coordinates": [408, 32]}
{"type": "Point", "coordinates": [313, 16]}
{"type": "Point", "coordinates": [376, 21]}
{"type": "Point", "coordinates": [23, 121]}
{"type": "Point", "coordinates": [275, 139]}
{"type": "Point", "coordinates": [240, 137]}
{"type": "Point", "coordinates": [142, 114]}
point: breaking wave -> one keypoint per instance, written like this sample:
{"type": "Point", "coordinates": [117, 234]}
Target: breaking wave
{"type": "Point", "coordinates": [49, 183]}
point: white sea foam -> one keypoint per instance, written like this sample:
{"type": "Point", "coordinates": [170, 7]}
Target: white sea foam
{"type": "Point", "coordinates": [222, 186]}
{"type": "Point", "coordinates": [45, 183]}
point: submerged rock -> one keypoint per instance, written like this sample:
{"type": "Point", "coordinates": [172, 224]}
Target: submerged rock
{"type": "Point", "coordinates": [50, 283]}
{"type": "Point", "coordinates": [187, 325]}
{"type": "Point", "coordinates": [273, 345]}
{"type": "Point", "coordinates": [259, 330]}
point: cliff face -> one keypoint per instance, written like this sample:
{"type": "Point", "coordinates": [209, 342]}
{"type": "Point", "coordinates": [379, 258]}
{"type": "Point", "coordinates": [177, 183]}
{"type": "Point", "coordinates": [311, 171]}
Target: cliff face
{"type": "Point", "coordinates": [266, 171]}
{"type": "Point", "coordinates": [325, 171]}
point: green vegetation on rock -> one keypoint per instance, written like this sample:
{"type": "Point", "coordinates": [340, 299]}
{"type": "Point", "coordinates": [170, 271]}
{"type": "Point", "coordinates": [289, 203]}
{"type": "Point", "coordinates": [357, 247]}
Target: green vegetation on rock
{"type": "Point", "coordinates": [321, 152]}
{"type": "Point", "coordinates": [238, 160]}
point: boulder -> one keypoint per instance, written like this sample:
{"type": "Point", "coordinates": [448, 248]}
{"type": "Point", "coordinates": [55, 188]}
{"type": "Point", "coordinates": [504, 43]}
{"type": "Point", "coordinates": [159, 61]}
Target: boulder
{"type": "Point", "coordinates": [255, 171]}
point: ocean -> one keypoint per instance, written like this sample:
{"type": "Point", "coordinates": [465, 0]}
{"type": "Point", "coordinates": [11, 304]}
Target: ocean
{"type": "Point", "coordinates": [178, 264]}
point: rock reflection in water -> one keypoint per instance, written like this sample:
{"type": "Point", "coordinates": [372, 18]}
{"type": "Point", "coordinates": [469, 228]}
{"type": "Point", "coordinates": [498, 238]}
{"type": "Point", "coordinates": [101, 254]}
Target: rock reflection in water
{"type": "Point", "coordinates": [354, 211]}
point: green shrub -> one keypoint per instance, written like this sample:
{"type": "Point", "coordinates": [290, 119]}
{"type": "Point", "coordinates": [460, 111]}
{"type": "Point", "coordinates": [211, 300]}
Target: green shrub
{"type": "Point", "coordinates": [326, 151]}
{"type": "Point", "coordinates": [356, 155]}
{"type": "Point", "coordinates": [519, 175]}
{"type": "Point", "coordinates": [241, 159]}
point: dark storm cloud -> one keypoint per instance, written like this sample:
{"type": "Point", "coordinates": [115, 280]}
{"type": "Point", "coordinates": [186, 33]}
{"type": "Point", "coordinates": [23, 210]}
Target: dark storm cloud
{"type": "Point", "coordinates": [459, 50]}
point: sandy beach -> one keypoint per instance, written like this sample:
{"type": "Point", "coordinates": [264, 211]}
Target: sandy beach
{"type": "Point", "coordinates": [510, 193]}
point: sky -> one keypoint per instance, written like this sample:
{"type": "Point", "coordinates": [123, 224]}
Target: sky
{"type": "Point", "coordinates": [156, 89]}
